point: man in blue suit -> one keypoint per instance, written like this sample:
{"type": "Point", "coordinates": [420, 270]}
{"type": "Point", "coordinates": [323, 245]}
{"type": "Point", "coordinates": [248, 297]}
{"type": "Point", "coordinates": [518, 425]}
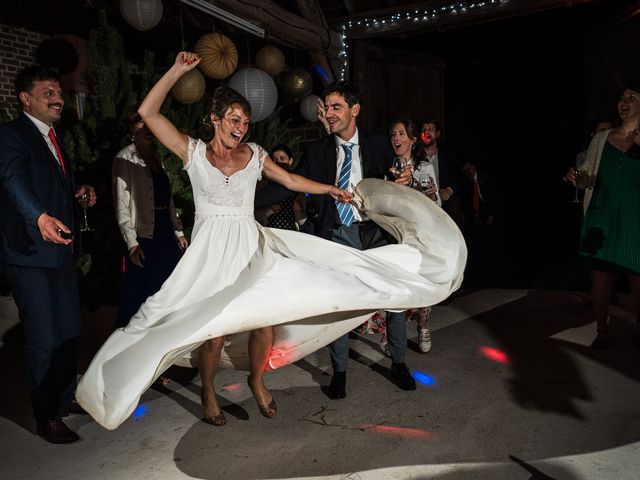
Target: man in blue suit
{"type": "Point", "coordinates": [38, 234]}
{"type": "Point", "coordinates": [355, 155]}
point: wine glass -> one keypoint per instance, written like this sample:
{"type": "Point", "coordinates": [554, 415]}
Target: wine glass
{"type": "Point", "coordinates": [398, 166]}
{"type": "Point", "coordinates": [581, 183]}
{"type": "Point", "coordinates": [84, 203]}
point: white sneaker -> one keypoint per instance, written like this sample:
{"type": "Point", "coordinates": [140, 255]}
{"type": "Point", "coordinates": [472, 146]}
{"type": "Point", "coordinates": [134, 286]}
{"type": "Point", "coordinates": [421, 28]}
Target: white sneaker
{"type": "Point", "coordinates": [424, 340]}
{"type": "Point", "coordinates": [384, 346]}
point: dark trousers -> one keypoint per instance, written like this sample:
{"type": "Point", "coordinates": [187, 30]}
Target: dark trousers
{"type": "Point", "coordinates": [363, 237]}
{"type": "Point", "coordinates": [161, 255]}
{"type": "Point", "coordinates": [49, 310]}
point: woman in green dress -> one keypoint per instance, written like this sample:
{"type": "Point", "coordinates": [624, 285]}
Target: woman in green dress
{"type": "Point", "coordinates": [610, 238]}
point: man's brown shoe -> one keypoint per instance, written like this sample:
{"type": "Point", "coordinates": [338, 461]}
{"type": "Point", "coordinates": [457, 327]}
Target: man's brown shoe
{"type": "Point", "coordinates": [54, 430]}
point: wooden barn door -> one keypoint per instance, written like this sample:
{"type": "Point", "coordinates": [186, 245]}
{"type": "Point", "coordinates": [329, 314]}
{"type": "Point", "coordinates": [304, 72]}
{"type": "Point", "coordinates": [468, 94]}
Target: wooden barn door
{"type": "Point", "coordinates": [397, 84]}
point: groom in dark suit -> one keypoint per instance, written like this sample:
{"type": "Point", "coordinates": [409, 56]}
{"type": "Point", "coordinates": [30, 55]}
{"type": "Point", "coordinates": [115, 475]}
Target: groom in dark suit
{"type": "Point", "coordinates": [38, 229]}
{"type": "Point", "coordinates": [344, 158]}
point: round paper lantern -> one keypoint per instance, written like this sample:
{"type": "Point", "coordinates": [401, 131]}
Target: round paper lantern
{"type": "Point", "coordinates": [270, 59]}
{"type": "Point", "coordinates": [297, 82]}
{"type": "Point", "coordinates": [190, 87]}
{"type": "Point", "coordinates": [309, 108]}
{"type": "Point", "coordinates": [141, 14]}
{"type": "Point", "coordinates": [219, 57]}
{"type": "Point", "coordinates": [258, 88]}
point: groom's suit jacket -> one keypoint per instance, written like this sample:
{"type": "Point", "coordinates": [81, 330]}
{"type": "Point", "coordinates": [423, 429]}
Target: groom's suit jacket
{"type": "Point", "coordinates": [32, 182]}
{"type": "Point", "coordinates": [319, 163]}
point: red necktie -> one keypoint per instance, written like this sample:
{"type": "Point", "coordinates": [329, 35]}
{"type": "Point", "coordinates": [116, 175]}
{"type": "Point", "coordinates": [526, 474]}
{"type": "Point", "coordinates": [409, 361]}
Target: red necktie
{"type": "Point", "coordinates": [52, 137]}
{"type": "Point", "coordinates": [476, 196]}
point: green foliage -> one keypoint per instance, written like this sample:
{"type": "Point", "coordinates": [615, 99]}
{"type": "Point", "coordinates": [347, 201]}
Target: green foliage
{"type": "Point", "coordinates": [273, 131]}
{"type": "Point", "coordinates": [93, 141]}
{"type": "Point", "coordinates": [7, 112]}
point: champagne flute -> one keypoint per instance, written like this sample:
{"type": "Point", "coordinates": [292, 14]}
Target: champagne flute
{"type": "Point", "coordinates": [581, 183]}
{"type": "Point", "coordinates": [84, 203]}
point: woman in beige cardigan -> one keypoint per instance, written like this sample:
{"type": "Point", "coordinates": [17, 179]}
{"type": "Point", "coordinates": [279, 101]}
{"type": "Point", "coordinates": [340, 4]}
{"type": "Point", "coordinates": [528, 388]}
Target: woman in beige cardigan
{"type": "Point", "coordinates": [147, 220]}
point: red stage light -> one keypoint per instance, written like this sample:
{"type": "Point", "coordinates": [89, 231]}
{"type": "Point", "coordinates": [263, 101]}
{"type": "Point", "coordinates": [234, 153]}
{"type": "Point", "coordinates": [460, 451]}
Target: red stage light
{"type": "Point", "coordinates": [400, 431]}
{"type": "Point", "coordinates": [494, 354]}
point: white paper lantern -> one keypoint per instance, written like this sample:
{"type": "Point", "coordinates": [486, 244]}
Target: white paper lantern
{"type": "Point", "coordinates": [141, 14]}
{"type": "Point", "coordinates": [258, 88]}
{"type": "Point", "coordinates": [309, 108]}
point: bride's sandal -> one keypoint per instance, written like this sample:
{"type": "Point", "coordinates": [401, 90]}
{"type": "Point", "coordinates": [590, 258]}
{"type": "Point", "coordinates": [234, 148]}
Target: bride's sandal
{"type": "Point", "coordinates": [269, 410]}
{"type": "Point", "coordinates": [218, 420]}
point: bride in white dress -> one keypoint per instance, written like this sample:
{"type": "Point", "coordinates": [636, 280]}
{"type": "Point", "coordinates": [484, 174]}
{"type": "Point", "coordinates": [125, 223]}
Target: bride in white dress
{"type": "Point", "coordinates": [225, 285]}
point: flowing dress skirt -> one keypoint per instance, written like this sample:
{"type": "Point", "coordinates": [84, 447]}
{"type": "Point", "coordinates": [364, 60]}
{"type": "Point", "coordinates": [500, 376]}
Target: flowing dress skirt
{"type": "Point", "coordinates": [229, 283]}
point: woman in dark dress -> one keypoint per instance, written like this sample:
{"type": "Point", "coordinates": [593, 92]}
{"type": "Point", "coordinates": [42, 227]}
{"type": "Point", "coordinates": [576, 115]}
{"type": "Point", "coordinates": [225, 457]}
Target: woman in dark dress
{"type": "Point", "coordinates": [610, 237]}
{"type": "Point", "coordinates": [284, 214]}
{"type": "Point", "coordinates": [147, 219]}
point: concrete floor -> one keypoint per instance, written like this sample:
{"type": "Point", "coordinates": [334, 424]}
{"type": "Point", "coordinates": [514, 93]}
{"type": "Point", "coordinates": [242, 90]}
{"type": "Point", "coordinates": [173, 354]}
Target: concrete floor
{"type": "Point", "coordinates": [513, 392]}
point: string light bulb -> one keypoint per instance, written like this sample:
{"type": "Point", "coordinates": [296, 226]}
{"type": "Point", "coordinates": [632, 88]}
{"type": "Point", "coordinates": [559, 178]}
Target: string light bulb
{"type": "Point", "coordinates": [398, 19]}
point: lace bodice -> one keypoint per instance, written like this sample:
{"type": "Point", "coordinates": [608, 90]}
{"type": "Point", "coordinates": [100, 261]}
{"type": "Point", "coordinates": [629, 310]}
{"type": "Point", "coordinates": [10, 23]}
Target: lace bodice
{"type": "Point", "coordinates": [216, 194]}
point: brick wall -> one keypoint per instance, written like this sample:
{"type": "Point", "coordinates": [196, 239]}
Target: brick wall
{"type": "Point", "coordinates": [17, 50]}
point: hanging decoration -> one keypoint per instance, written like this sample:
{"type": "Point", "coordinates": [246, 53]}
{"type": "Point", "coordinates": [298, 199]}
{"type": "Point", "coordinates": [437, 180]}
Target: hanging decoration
{"type": "Point", "coordinates": [141, 14]}
{"type": "Point", "coordinates": [309, 108]}
{"type": "Point", "coordinates": [270, 59]}
{"type": "Point", "coordinates": [414, 16]}
{"type": "Point", "coordinates": [297, 82]}
{"type": "Point", "coordinates": [219, 55]}
{"type": "Point", "coordinates": [189, 88]}
{"type": "Point", "coordinates": [258, 88]}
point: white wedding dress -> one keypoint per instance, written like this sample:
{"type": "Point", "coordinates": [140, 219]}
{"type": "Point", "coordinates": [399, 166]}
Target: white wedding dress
{"type": "Point", "coordinates": [237, 276]}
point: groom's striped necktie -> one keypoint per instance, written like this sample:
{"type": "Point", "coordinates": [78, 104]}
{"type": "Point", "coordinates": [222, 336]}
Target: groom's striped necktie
{"type": "Point", "coordinates": [345, 210]}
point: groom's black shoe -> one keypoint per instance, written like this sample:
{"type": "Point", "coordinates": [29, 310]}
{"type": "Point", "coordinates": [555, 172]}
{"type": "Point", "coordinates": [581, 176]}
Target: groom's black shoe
{"type": "Point", "coordinates": [337, 387]}
{"type": "Point", "coordinates": [402, 377]}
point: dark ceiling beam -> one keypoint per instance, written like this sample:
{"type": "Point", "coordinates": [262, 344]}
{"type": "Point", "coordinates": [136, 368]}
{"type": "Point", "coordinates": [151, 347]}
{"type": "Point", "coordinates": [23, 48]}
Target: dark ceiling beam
{"type": "Point", "coordinates": [283, 26]}
{"type": "Point", "coordinates": [446, 20]}
{"type": "Point", "coordinates": [328, 63]}
{"type": "Point", "coordinates": [623, 15]}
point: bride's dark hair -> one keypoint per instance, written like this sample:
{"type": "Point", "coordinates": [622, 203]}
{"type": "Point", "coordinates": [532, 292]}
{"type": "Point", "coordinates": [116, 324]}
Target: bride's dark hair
{"type": "Point", "coordinates": [223, 97]}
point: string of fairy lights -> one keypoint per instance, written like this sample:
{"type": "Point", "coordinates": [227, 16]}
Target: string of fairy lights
{"type": "Point", "coordinates": [412, 16]}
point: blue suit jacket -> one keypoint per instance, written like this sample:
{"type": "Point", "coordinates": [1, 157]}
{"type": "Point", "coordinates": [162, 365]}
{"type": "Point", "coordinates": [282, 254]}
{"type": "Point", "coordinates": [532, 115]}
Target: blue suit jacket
{"type": "Point", "coordinates": [319, 163]}
{"type": "Point", "coordinates": [32, 182]}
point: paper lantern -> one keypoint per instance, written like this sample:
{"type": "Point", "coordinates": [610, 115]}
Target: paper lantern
{"type": "Point", "coordinates": [309, 108]}
{"type": "Point", "coordinates": [141, 14]}
{"type": "Point", "coordinates": [297, 82]}
{"type": "Point", "coordinates": [219, 57]}
{"type": "Point", "coordinates": [270, 59]}
{"type": "Point", "coordinates": [258, 88]}
{"type": "Point", "coordinates": [190, 87]}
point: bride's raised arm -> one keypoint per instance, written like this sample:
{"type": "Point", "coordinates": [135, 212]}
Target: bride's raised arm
{"type": "Point", "coordinates": [298, 183]}
{"type": "Point", "coordinates": [149, 110]}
